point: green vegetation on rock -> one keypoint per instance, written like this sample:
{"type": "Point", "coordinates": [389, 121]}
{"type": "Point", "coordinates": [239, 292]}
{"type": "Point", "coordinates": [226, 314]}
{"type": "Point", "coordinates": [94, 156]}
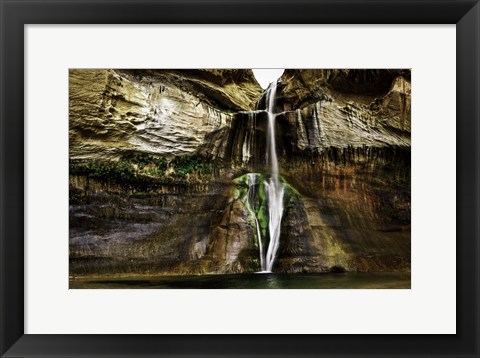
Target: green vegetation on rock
{"type": "Point", "coordinates": [143, 172]}
{"type": "Point", "coordinates": [191, 164]}
{"type": "Point", "coordinates": [259, 208]}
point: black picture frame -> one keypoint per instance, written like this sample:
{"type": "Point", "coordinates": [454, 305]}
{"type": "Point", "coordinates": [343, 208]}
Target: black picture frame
{"type": "Point", "coordinates": [17, 13]}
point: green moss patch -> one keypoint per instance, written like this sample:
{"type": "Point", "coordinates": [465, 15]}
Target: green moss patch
{"type": "Point", "coordinates": [144, 172]}
{"type": "Point", "coordinates": [257, 206]}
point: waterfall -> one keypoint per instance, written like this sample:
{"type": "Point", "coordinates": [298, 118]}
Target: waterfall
{"type": "Point", "coordinates": [274, 188]}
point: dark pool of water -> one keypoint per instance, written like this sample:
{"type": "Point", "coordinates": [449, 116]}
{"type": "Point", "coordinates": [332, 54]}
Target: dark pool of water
{"type": "Point", "coordinates": [253, 281]}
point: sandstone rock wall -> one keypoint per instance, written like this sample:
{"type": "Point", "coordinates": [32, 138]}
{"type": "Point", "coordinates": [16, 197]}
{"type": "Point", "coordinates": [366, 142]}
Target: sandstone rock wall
{"type": "Point", "coordinates": [332, 120]}
{"type": "Point", "coordinates": [113, 111]}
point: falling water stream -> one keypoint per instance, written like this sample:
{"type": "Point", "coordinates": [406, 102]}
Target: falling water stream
{"type": "Point", "coordinates": [274, 190]}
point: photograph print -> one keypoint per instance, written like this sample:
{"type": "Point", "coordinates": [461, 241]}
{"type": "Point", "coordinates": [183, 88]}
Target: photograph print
{"type": "Point", "coordinates": [239, 178]}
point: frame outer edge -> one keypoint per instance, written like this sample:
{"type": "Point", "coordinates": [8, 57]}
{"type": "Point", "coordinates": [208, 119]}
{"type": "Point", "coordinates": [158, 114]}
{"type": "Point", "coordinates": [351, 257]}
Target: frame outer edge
{"type": "Point", "coordinates": [3, 286]}
{"type": "Point", "coordinates": [11, 177]}
{"type": "Point", "coordinates": [468, 179]}
{"type": "Point", "coordinates": [11, 192]}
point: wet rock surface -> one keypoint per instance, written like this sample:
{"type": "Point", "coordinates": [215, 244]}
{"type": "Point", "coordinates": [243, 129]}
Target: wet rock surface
{"type": "Point", "coordinates": [350, 224]}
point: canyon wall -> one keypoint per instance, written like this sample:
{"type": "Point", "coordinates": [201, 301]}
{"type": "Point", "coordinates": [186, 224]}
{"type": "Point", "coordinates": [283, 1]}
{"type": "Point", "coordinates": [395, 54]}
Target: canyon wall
{"type": "Point", "coordinates": [156, 157]}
